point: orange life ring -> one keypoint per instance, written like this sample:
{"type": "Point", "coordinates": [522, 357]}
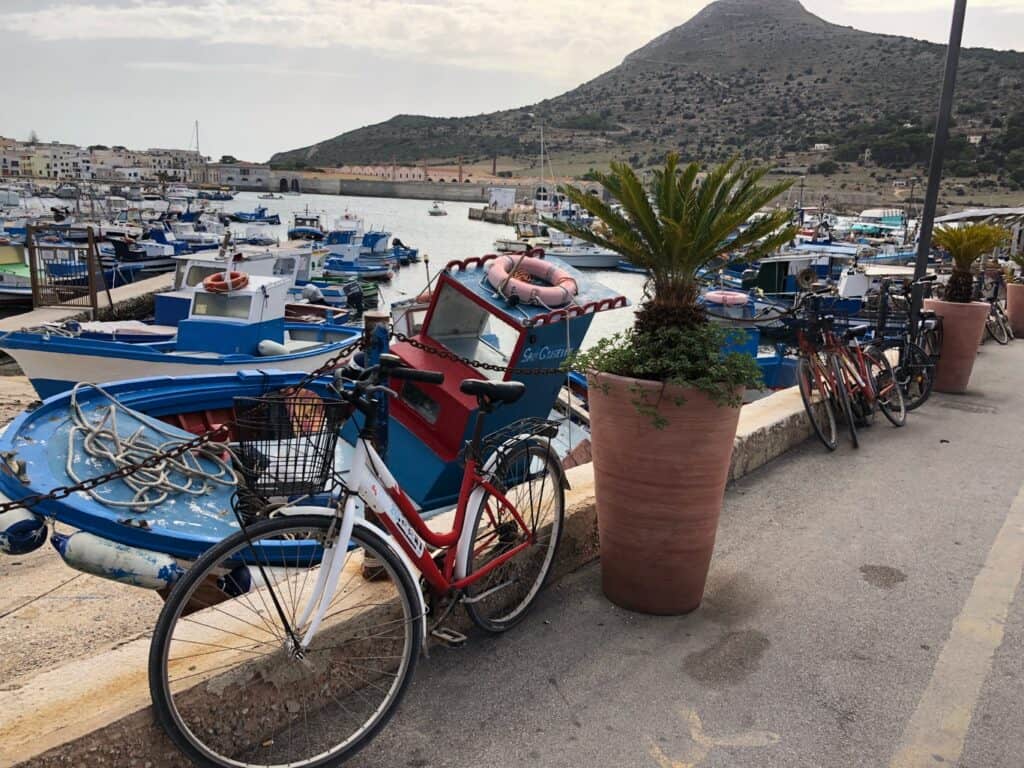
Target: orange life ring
{"type": "Point", "coordinates": [561, 288]}
{"type": "Point", "coordinates": [217, 283]}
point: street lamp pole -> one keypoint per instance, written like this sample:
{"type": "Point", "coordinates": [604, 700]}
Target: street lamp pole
{"type": "Point", "coordinates": [931, 198]}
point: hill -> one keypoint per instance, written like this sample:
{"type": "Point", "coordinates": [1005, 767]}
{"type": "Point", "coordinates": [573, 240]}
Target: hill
{"type": "Point", "coordinates": [764, 78]}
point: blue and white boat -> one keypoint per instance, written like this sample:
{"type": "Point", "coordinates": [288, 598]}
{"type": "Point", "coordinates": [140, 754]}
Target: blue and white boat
{"type": "Point", "coordinates": [306, 226]}
{"type": "Point", "coordinates": [426, 429]}
{"type": "Point", "coordinates": [230, 331]}
{"type": "Point", "coordinates": [258, 215]}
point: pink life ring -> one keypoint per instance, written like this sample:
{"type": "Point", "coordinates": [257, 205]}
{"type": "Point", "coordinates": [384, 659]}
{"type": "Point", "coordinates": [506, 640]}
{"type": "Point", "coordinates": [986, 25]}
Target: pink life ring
{"type": "Point", "coordinates": [561, 288]}
{"type": "Point", "coordinates": [726, 298]}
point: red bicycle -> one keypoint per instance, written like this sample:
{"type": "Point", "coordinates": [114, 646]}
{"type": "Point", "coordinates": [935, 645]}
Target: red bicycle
{"type": "Point", "coordinates": [292, 642]}
{"type": "Point", "coordinates": [835, 372]}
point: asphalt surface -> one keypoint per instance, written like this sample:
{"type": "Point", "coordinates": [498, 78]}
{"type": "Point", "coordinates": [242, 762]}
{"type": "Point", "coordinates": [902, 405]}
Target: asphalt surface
{"type": "Point", "coordinates": [838, 581]}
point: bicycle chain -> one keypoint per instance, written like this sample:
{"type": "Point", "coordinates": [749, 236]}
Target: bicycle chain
{"type": "Point", "coordinates": [62, 492]}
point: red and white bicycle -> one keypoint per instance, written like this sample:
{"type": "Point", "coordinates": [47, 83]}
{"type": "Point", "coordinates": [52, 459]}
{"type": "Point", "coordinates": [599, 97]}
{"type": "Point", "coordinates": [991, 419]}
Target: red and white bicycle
{"type": "Point", "coordinates": [291, 642]}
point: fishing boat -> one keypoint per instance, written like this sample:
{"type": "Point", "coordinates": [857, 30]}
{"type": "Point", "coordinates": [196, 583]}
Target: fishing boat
{"type": "Point", "coordinates": [15, 280]}
{"type": "Point", "coordinates": [226, 330]}
{"type": "Point", "coordinates": [306, 226]}
{"type": "Point", "coordinates": [257, 236]}
{"type": "Point", "coordinates": [258, 215]}
{"type": "Point", "coordinates": [437, 209]}
{"type": "Point", "coordinates": [529, 235]}
{"type": "Point", "coordinates": [270, 196]}
{"type": "Point", "coordinates": [583, 255]}
{"type": "Point", "coordinates": [220, 195]}
{"type": "Point", "coordinates": [625, 265]}
{"type": "Point", "coordinates": [146, 539]}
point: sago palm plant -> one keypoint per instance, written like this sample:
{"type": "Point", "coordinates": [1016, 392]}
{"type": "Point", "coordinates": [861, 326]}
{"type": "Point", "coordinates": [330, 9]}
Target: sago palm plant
{"type": "Point", "coordinates": [966, 245]}
{"type": "Point", "coordinates": [680, 223]}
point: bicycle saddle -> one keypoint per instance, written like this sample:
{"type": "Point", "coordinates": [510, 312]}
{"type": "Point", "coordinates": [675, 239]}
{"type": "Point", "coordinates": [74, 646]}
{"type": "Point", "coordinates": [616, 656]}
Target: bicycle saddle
{"type": "Point", "coordinates": [856, 331]}
{"type": "Point", "coordinates": [494, 391]}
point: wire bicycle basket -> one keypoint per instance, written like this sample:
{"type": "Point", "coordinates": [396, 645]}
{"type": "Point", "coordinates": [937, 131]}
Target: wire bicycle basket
{"type": "Point", "coordinates": [286, 445]}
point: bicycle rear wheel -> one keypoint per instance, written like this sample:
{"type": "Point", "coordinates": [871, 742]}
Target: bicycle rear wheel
{"type": "Point", "coordinates": [529, 476]}
{"type": "Point", "coordinates": [841, 394]}
{"type": "Point", "coordinates": [812, 381]}
{"type": "Point", "coordinates": [915, 371]}
{"type": "Point", "coordinates": [228, 683]}
{"type": "Point", "coordinates": [888, 391]}
{"type": "Point", "coordinates": [995, 326]}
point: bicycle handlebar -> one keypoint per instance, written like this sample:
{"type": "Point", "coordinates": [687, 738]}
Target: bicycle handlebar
{"type": "Point", "coordinates": [412, 374]}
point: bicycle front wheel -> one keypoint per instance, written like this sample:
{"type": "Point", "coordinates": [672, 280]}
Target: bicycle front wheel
{"type": "Point", "coordinates": [813, 390]}
{"type": "Point", "coordinates": [235, 677]}
{"type": "Point", "coordinates": [527, 522]}
{"type": "Point", "coordinates": [888, 392]}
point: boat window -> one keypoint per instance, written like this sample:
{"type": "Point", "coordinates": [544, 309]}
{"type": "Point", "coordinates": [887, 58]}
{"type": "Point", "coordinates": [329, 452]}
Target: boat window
{"type": "Point", "coordinates": [221, 305]}
{"type": "Point", "coordinates": [468, 329]}
{"type": "Point", "coordinates": [197, 274]}
{"type": "Point", "coordinates": [284, 265]}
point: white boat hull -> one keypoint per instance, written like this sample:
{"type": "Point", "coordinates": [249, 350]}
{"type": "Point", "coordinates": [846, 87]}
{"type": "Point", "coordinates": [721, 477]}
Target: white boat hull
{"type": "Point", "coordinates": [586, 260]}
{"type": "Point", "coordinates": [53, 372]}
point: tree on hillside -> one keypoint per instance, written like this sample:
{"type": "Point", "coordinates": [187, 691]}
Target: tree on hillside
{"type": "Point", "coordinates": [228, 159]}
{"type": "Point", "coordinates": [33, 138]}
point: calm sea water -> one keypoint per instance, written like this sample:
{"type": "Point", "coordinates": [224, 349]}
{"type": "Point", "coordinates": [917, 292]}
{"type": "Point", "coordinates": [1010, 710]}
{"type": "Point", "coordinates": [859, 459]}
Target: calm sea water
{"type": "Point", "coordinates": [442, 238]}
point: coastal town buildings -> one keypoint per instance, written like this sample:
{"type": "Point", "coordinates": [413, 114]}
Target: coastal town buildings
{"type": "Point", "coordinates": [56, 160]}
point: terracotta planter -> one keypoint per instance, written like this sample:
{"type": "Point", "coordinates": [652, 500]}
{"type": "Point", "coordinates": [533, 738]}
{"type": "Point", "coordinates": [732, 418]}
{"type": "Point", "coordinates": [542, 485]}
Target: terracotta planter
{"type": "Point", "coordinates": [962, 328]}
{"type": "Point", "coordinates": [1015, 307]}
{"type": "Point", "coordinates": [659, 491]}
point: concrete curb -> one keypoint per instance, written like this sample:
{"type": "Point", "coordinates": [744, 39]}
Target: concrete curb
{"type": "Point", "coordinates": [95, 711]}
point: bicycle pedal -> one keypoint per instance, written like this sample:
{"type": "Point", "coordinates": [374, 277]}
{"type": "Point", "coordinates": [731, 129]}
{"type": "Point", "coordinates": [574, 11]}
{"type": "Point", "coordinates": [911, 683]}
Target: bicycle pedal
{"type": "Point", "coordinates": [449, 636]}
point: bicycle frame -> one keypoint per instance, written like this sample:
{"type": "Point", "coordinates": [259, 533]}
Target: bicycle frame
{"type": "Point", "coordinates": [372, 484]}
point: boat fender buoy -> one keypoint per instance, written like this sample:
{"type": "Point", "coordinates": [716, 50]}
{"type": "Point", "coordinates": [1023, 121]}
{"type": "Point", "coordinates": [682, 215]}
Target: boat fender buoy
{"type": "Point", "coordinates": [726, 298]}
{"type": "Point", "coordinates": [107, 559]}
{"type": "Point", "coordinates": [271, 348]}
{"type": "Point", "coordinates": [217, 283]}
{"type": "Point", "coordinates": [561, 288]}
{"type": "Point", "coordinates": [21, 532]}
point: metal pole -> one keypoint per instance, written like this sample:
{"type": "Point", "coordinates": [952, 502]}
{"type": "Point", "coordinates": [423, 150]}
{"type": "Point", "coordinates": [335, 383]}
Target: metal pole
{"type": "Point", "coordinates": [941, 135]}
{"type": "Point", "coordinates": [931, 199]}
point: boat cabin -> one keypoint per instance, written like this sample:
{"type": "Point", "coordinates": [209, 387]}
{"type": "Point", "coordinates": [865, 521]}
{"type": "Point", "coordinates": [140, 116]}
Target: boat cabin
{"type": "Point", "coordinates": [430, 424]}
{"type": "Point", "coordinates": [171, 307]}
{"type": "Point", "coordinates": [235, 322]}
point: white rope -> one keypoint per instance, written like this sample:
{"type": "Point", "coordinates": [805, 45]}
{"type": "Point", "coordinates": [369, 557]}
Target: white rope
{"type": "Point", "coordinates": [101, 439]}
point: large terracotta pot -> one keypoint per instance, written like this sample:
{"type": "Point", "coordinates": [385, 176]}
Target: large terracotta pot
{"type": "Point", "coordinates": [659, 491]}
{"type": "Point", "coordinates": [1015, 307]}
{"type": "Point", "coordinates": [963, 326]}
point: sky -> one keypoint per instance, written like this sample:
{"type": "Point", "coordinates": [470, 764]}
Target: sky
{"type": "Point", "coordinates": [267, 75]}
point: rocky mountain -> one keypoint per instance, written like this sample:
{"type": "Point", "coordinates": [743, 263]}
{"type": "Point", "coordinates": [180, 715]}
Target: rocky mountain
{"type": "Point", "coordinates": [761, 77]}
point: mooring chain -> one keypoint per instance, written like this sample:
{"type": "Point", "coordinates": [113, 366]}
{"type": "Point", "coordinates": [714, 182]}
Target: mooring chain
{"type": "Point", "coordinates": [444, 354]}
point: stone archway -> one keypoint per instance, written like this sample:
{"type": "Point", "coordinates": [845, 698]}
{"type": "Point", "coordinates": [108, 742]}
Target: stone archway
{"type": "Point", "coordinates": [283, 186]}
{"type": "Point", "coordinates": [295, 185]}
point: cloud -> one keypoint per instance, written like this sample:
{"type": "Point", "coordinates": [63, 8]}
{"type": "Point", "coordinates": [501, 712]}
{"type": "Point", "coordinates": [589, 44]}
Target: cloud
{"type": "Point", "coordinates": [199, 67]}
{"type": "Point", "coordinates": [557, 39]}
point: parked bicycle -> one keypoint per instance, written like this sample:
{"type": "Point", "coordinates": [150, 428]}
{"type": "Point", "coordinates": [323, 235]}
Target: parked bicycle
{"type": "Point", "coordinates": [292, 642]}
{"type": "Point", "coordinates": [914, 366]}
{"type": "Point", "coordinates": [838, 375]}
{"type": "Point", "coordinates": [997, 325]}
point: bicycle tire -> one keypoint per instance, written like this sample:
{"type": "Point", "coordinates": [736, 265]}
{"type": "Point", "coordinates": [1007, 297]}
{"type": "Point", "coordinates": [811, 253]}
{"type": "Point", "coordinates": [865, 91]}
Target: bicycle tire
{"type": "Point", "coordinates": [888, 390]}
{"type": "Point", "coordinates": [208, 573]}
{"type": "Point", "coordinates": [495, 532]}
{"type": "Point", "coordinates": [995, 329]}
{"type": "Point", "coordinates": [807, 380]}
{"type": "Point", "coordinates": [916, 373]}
{"type": "Point", "coordinates": [842, 394]}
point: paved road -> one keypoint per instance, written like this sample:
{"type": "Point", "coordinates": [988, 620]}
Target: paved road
{"type": "Point", "coordinates": [855, 616]}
